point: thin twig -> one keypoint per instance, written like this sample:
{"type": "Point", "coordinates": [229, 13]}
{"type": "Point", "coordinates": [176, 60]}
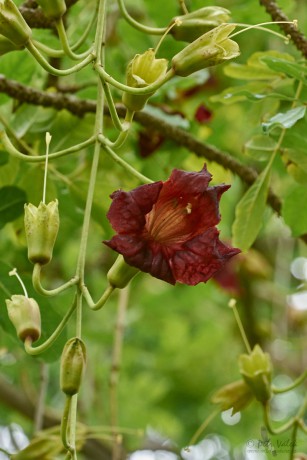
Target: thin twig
{"type": "Point", "coordinates": [40, 407]}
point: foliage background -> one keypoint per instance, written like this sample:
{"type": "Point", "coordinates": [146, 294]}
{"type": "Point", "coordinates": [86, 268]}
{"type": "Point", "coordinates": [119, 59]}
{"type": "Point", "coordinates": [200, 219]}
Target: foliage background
{"type": "Point", "coordinates": [180, 343]}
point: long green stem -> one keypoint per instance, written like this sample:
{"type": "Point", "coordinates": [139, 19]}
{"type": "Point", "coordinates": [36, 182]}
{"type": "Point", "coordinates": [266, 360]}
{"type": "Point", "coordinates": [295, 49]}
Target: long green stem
{"type": "Point", "coordinates": [39, 288]}
{"type": "Point", "coordinates": [9, 147]}
{"type": "Point", "coordinates": [203, 427]}
{"type": "Point", "coordinates": [125, 165]}
{"type": "Point", "coordinates": [129, 89]}
{"type": "Point", "coordinates": [64, 423]}
{"type": "Point", "coordinates": [65, 44]}
{"type": "Point", "coordinates": [270, 428]}
{"type": "Point", "coordinates": [100, 303]}
{"type": "Point", "coordinates": [59, 72]}
{"type": "Point", "coordinates": [293, 385]}
{"type": "Point", "coordinates": [44, 346]}
{"type": "Point", "coordinates": [136, 24]}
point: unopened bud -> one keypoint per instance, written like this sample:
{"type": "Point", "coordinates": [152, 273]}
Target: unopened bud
{"type": "Point", "coordinates": [143, 70]}
{"type": "Point", "coordinates": [72, 366]}
{"type": "Point", "coordinates": [210, 49]}
{"type": "Point", "coordinates": [192, 25]}
{"type": "Point", "coordinates": [236, 396]}
{"type": "Point", "coordinates": [53, 9]}
{"type": "Point", "coordinates": [121, 273]}
{"type": "Point", "coordinates": [41, 227]}
{"type": "Point", "coordinates": [256, 369]}
{"type": "Point", "coordinates": [25, 315]}
{"type": "Point", "coordinates": [12, 24]}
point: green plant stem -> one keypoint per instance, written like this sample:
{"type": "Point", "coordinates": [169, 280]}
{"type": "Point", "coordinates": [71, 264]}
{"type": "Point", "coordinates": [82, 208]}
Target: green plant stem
{"type": "Point", "coordinates": [40, 405]}
{"type": "Point", "coordinates": [136, 24]}
{"type": "Point", "coordinates": [59, 72]}
{"type": "Point", "coordinates": [64, 424]}
{"type": "Point", "coordinates": [240, 326]}
{"type": "Point", "coordinates": [39, 288]}
{"type": "Point", "coordinates": [293, 385]}
{"type": "Point", "coordinates": [267, 422]}
{"type": "Point", "coordinates": [112, 109]}
{"type": "Point", "coordinates": [11, 149]}
{"type": "Point", "coordinates": [65, 44]}
{"type": "Point", "coordinates": [96, 306]}
{"type": "Point", "coordinates": [5, 452]}
{"type": "Point", "coordinates": [203, 426]}
{"type": "Point", "coordinates": [293, 441]}
{"type": "Point", "coordinates": [129, 89]}
{"type": "Point", "coordinates": [125, 165]}
{"type": "Point", "coordinates": [44, 346]}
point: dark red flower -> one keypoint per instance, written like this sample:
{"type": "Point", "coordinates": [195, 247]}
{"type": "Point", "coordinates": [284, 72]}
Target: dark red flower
{"type": "Point", "coordinates": [168, 228]}
{"type": "Point", "coordinates": [202, 114]}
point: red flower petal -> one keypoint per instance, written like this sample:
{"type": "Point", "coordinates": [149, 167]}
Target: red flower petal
{"type": "Point", "coordinates": [168, 229]}
{"type": "Point", "coordinates": [128, 209]}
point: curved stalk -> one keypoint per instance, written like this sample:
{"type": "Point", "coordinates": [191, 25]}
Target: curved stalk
{"type": "Point", "coordinates": [293, 385]}
{"type": "Point", "coordinates": [137, 25]}
{"type": "Point", "coordinates": [270, 428]}
{"type": "Point", "coordinates": [58, 72]}
{"type": "Point", "coordinates": [65, 44]}
{"type": "Point", "coordinates": [129, 89]}
{"type": "Point", "coordinates": [96, 306]}
{"type": "Point", "coordinates": [44, 346]}
{"type": "Point", "coordinates": [39, 288]}
{"type": "Point", "coordinates": [124, 164]}
{"type": "Point", "coordinates": [11, 149]}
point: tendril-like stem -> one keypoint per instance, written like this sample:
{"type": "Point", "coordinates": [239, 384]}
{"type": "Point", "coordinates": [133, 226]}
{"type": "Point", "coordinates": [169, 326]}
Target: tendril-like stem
{"type": "Point", "coordinates": [39, 288]}
{"type": "Point", "coordinates": [137, 25]}
{"type": "Point", "coordinates": [44, 346]}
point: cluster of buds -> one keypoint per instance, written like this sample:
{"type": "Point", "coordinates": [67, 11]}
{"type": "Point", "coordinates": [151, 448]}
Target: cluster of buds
{"type": "Point", "coordinates": [41, 227]}
{"type": "Point", "coordinates": [24, 314]}
{"type": "Point", "coordinates": [73, 362]}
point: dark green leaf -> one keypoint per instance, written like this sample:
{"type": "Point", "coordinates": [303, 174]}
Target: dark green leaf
{"type": "Point", "coordinates": [294, 210]}
{"type": "Point", "coordinates": [4, 157]}
{"type": "Point", "coordinates": [12, 200]}
{"type": "Point", "coordinates": [259, 147]}
{"type": "Point", "coordinates": [249, 212]}
{"type": "Point", "coordinates": [289, 68]}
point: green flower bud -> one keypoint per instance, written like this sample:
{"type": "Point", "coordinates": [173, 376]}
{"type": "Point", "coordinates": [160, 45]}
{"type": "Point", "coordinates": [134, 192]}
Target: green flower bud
{"type": "Point", "coordinates": [53, 9]}
{"type": "Point", "coordinates": [6, 46]}
{"type": "Point", "coordinates": [25, 315]}
{"type": "Point", "coordinates": [40, 448]}
{"type": "Point", "coordinates": [143, 70]}
{"type": "Point", "coordinates": [192, 25]}
{"type": "Point", "coordinates": [121, 273]}
{"type": "Point", "coordinates": [236, 396]}
{"type": "Point", "coordinates": [12, 24]}
{"type": "Point", "coordinates": [256, 369]}
{"type": "Point", "coordinates": [72, 366]}
{"type": "Point", "coordinates": [210, 49]}
{"type": "Point", "coordinates": [41, 227]}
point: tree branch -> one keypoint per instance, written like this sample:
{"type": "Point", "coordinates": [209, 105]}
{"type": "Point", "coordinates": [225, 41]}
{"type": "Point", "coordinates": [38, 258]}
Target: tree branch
{"type": "Point", "coordinates": [277, 14]}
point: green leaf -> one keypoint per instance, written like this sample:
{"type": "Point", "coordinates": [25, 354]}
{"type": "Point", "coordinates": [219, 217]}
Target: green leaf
{"type": "Point", "coordinates": [12, 200]}
{"type": "Point", "coordinates": [284, 120]}
{"type": "Point", "coordinates": [299, 157]}
{"type": "Point", "coordinates": [252, 91]}
{"type": "Point", "coordinates": [4, 157]}
{"type": "Point", "coordinates": [294, 210]}
{"type": "Point", "coordinates": [259, 147]}
{"type": "Point", "coordinates": [289, 68]}
{"type": "Point", "coordinates": [256, 68]}
{"type": "Point", "coordinates": [249, 212]}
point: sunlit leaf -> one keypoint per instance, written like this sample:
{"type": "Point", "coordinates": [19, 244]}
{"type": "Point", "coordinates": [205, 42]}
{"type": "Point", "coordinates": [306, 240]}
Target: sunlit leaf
{"type": "Point", "coordinates": [289, 68]}
{"type": "Point", "coordinates": [285, 120]}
